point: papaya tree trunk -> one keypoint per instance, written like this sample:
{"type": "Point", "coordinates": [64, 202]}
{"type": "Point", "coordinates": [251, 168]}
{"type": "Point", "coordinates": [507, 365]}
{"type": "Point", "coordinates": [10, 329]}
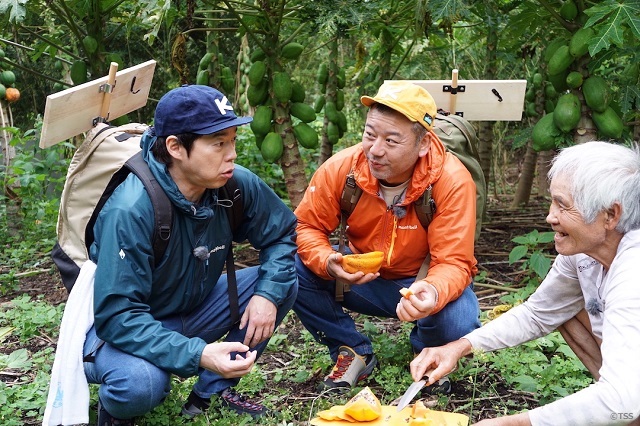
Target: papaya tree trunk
{"type": "Point", "coordinates": [525, 183]}
{"type": "Point", "coordinates": [586, 130]}
{"type": "Point", "coordinates": [291, 161]}
{"type": "Point", "coordinates": [544, 164]}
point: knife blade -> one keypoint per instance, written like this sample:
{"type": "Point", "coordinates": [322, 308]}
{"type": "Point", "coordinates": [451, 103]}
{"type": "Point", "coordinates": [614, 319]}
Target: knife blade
{"type": "Point", "coordinates": [410, 393]}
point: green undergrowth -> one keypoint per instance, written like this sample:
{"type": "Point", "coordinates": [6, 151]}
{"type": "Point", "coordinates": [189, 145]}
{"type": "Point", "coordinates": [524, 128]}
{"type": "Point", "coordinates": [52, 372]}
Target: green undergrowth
{"type": "Point", "coordinates": [285, 376]}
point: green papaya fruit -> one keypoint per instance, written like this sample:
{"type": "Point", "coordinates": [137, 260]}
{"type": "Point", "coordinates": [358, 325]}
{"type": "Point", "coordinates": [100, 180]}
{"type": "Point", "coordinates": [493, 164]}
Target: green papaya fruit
{"type": "Point", "coordinates": [552, 47]}
{"type": "Point", "coordinates": [537, 80]}
{"type": "Point", "coordinates": [205, 61]}
{"type": "Point", "coordinates": [568, 10]}
{"type": "Point", "coordinates": [302, 111]}
{"type": "Point", "coordinates": [566, 115]}
{"type": "Point", "coordinates": [530, 94]}
{"type": "Point", "coordinates": [550, 91]}
{"type": "Point", "coordinates": [272, 147]}
{"type": "Point", "coordinates": [261, 124]}
{"type": "Point", "coordinates": [282, 87]}
{"type": "Point", "coordinates": [596, 93]}
{"type": "Point", "coordinates": [202, 77]}
{"type": "Point", "coordinates": [257, 55]}
{"type": "Point", "coordinates": [530, 109]}
{"type": "Point", "coordinates": [292, 50]}
{"type": "Point", "coordinates": [3, 91]}
{"type": "Point", "coordinates": [560, 60]}
{"type": "Point", "coordinates": [226, 72]}
{"type": "Point", "coordinates": [305, 135]}
{"type": "Point", "coordinates": [574, 79]}
{"type": "Point", "coordinates": [256, 72]}
{"type": "Point", "coordinates": [331, 111]}
{"type": "Point", "coordinates": [323, 74]}
{"type": "Point", "coordinates": [298, 93]}
{"type": "Point", "coordinates": [256, 95]}
{"type": "Point", "coordinates": [549, 106]}
{"type": "Point", "coordinates": [339, 100]}
{"type": "Point", "coordinates": [90, 44]}
{"type": "Point", "coordinates": [319, 104]}
{"type": "Point", "coordinates": [333, 133]}
{"type": "Point", "coordinates": [7, 78]}
{"type": "Point", "coordinates": [579, 43]}
{"type": "Point", "coordinates": [342, 122]}
{"type": "Point", "coordinates": [544, 134]}
{"type": "Point", "coordinates": [228, 84]}
{"type": "Point", "coordinates": [608, 122]}
{"type": "Point", "coordinates": [78, 72]}
{"type": "Point", "coordinates": [340, 78]}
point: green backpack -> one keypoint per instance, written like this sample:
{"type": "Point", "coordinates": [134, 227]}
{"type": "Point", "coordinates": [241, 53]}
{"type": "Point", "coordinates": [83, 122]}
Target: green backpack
{"type": "Point", "coordinates": [459, 137]}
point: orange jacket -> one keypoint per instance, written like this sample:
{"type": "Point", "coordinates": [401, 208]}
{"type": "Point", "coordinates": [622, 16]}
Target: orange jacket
{"type": "Point", "coordinates": [374, 227]}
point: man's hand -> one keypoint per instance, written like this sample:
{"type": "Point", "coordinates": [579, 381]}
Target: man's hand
{"type": "Point", "coordinates": [217, 357]}
{"type": "Point", "coordinates": [260, 320]}
{"type": "Point", "coordinates": [439, 361]}
{"type": "Point", "coordinates": [334, 268]}
{"type": "Point", "coordinates": [420, 303]}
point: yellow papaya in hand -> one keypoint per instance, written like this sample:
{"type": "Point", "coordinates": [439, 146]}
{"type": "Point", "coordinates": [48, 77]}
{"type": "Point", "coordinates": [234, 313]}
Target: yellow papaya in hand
{"type": "Point", "coordinates": [365, 262]}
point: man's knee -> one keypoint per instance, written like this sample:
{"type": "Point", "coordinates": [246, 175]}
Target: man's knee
{"type": "Point", "coordinates": [135, 391]}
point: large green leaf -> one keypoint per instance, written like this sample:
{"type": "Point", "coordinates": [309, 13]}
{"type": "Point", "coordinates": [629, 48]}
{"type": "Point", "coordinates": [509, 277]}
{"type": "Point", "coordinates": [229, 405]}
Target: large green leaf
{"type": "Point", "coordinates": [610, 18]}
{"type": "Point", "coordinates": [17, 7]}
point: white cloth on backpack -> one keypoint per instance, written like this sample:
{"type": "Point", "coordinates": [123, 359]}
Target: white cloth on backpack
{"type": "Point", "coordinates": [68, 400]}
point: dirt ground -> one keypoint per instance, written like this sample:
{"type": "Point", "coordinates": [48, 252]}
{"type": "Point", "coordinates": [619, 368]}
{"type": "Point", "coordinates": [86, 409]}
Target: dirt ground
{"type": "Point", "coordinates": [492, 252]}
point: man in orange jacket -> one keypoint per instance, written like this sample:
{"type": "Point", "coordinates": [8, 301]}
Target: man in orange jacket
{"type": "Point", "coordinates": [398, 159]}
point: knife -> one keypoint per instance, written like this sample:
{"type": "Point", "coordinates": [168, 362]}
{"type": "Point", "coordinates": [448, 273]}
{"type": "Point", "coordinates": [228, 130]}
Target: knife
{"type": "Point", "coordinates": [410, 393]}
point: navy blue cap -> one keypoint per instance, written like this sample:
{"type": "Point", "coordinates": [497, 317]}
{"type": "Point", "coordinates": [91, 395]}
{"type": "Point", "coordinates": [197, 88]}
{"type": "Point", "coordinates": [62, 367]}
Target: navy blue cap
{"type": "Point", "coordinates": [197, 109]}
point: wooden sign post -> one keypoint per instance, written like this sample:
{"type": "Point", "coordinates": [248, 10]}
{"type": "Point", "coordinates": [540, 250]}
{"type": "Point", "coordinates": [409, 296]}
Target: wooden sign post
{"type": "Point", "coordinates": [478, 100]}
{"type": "Point", "coordinates": [77, 109]}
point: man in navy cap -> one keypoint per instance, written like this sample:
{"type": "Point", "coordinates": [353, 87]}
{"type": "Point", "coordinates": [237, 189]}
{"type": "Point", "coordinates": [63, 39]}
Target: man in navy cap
{"type": "Point", "coordinates": [152, 322]}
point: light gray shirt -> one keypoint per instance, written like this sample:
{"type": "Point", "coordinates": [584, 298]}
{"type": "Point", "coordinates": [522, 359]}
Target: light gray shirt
{"type": "Point", "coordinates": [613, 301]}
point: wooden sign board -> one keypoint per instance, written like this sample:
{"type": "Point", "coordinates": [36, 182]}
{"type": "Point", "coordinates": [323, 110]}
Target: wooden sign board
{"type": "Point", "coordinates": [479, 100]}
{"type": "Point", "coordinates": [73, 111]}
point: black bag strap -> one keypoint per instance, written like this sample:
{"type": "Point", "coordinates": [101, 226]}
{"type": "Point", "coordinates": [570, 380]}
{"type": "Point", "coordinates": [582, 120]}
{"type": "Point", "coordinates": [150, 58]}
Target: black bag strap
{"type": "Point", "coordinates": [162, 207]}
{"type": "Point", "coordinates": [235, 214]}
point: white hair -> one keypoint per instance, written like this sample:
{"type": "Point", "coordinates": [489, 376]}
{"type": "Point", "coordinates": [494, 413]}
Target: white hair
{"type": "Point", "coordinates": [600, 175]}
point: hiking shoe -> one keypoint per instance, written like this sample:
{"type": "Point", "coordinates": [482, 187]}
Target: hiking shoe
{"type": "Point", "coordinates": [350, 368]}
{"type": "Point", "coordinates": [106, 419]}
{"type": "Point", "coordinates": [441, 387]}
{"type": "Point", "coordinates": [195, 405]}
{"type": "Point", "coordinates": [240, 404]}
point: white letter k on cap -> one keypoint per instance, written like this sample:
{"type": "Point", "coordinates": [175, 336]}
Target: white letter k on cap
{"type": "Point", "coordinates": [223, 105]}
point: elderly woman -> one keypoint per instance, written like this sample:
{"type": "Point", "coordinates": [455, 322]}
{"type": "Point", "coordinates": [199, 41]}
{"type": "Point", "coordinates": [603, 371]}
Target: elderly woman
{"type": "Point", "coordinates": [592, 291]}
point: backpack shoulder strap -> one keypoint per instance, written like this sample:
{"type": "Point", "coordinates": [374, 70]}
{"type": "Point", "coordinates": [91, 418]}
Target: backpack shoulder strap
{"type": "Point", "coordinates": [162, 207]}
{"type": "Point", "coordinates": [235, 215]}
{"type": "Point", "coordinates": [425, 207]}
{"type": "Point", "coordinates": [350, 195]}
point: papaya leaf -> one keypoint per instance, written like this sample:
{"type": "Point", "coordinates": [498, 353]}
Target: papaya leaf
{"type": "Point", "coordinates": [629, 96]}
{"type": "Point", "coordinates": [17, 7]}
{"type": "Point", "coordinates": [610, 18]}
